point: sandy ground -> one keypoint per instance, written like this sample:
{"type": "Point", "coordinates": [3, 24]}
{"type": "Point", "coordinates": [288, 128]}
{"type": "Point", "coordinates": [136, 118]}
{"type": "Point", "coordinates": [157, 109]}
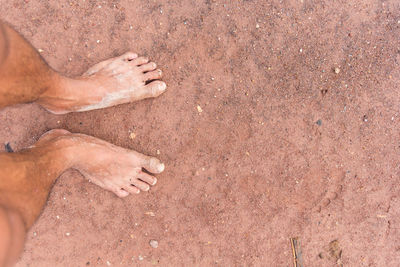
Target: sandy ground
{"type": "Point", "coordinates": [298, 134]}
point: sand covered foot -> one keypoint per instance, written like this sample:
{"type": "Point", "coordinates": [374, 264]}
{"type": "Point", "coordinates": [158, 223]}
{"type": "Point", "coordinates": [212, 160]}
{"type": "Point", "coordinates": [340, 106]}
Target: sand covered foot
{"type": "Point", "coordinates": [115, 81]}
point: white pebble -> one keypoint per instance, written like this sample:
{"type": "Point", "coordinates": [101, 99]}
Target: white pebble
{"type": "Point", "coordinates": [153, 243]}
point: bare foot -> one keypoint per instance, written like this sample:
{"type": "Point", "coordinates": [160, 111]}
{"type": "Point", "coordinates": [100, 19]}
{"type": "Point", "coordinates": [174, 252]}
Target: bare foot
{"type": "Point", "coordinates": [112, 168]}
{"type": "Point", "coordinates": [115, 81]}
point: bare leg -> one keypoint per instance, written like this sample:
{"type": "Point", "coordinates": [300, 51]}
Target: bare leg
{"type": "Point", "coordinates": [26, 177]}
{"type": "Point", "coordinates": [25, 77]}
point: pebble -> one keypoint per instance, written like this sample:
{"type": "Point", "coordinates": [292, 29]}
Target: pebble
{"type": "Point", "coordinates": [40, 50]}
{"type": "Point", "coordinates": [132, 136]}
{"type": "Point", "coordinates": [337, 70]}
{"type": "Point", "coordinates": [199, 109]}
{"type": "Point", "coordinates": [8, 148]}
{"type": "Point", "coordinates": [257, 26]}
{"type": "Point", "coordinates": [140, 257]}
{"type": "Point", "coordinates": [319, 122]}
{"type": "Point", "coordinates": [153, 243]}
{"type": "Point", "coordinates": [67, 234]}
{"type": "Point", "coordinates": [150, 213]}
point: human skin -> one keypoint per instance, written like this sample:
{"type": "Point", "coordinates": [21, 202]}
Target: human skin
{"type": "Point", "coordinates": [27, 176]}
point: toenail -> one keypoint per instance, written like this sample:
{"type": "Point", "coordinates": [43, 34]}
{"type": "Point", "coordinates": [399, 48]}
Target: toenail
{"type": "Point", "coordinates": [154, 182]}
{"type": "Point", "coordinates": [160, 167]}
{"type": "Point", "coordinates": [162, 86]}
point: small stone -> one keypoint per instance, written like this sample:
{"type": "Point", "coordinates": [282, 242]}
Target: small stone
{"type": "Point", "coordinates": [108, 263]}
{"type": "Point", "coordinates": [40, 50]}
{"type": "Point", "coordinates": [301, 50]}
{"type": "Point", "coordinates": [34, 234]}
{"type": "Point", "coordinates": [158, 152]}
{"type": "Point", "coordinates": [8, 148]}
{"type": "Point", "coordinates": [319, 122]}
{"type": "Point", "coordinates": [337, 70]}
{"type": "Point", "coordinates": [140, 257]}
{"type": "Point", "coordinates": [257, 26]}
{"type": "Point", "coordinates": [98, 41]}
{"type": "Point", "coordinates": [67, 234]}
{"type": "Point", "coordinates": [132, 135]}
{"type": "Point", "coordinates": [153, 243]}
{"type": "Point", "coordinates": [199, 109]}
{"type": "Point", "coordinates": [150, 213]}
{"type": "Point", "coordinates": [58, 217]}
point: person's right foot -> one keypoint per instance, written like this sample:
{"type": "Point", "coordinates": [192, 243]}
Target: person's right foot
{"type": "Point", "coordinates": [112, 168]}
{"type": "Point", "coordinates": [115, 81]}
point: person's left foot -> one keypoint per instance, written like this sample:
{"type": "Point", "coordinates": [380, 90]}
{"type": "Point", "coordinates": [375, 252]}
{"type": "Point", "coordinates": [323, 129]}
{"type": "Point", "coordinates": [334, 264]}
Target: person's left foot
{"type": "Point", "coordinates": [115, 81]}
{"type": "Point", "coordinates": [113, 168]}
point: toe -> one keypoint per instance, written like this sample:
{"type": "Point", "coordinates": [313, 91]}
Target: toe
{"type": "Point", "coordinates": [156, 88]}
{"type": "Point", "coordinates": [153, 165]}
{"type": "Point", "coordinates": [152, 75]}
{"type": "Point", "coordinates": [128, 56]}
{"type": "Point", "coordinates": [151, 180]}
{"type": "Point", "coordinates": [141, 185]}
{"type": "Point", "coordinates": [139, 61]}
{"type": "Point", "coordinates": [153, 89]}
{"type": "Point", "coordinates": [148, 67]}
{"type": "Point", "coordinates": [121, 193]}
{"type": "Point", "coordinates": [132, 189]}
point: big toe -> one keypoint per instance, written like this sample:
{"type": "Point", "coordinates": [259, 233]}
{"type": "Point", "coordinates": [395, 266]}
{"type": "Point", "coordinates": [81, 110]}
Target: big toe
{"type": "Point", "coordinates": [153, 89]}
{"type": "Point", "coordinates": [151, 164]}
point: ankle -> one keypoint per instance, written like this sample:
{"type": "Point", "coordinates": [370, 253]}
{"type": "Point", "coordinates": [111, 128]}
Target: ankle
{"type": "Point", "coordinates": [56, 97]}
{"type": "Point", "coordinates": [55, 154]}
{"type": "Point", "coordinates": [68, 95]}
